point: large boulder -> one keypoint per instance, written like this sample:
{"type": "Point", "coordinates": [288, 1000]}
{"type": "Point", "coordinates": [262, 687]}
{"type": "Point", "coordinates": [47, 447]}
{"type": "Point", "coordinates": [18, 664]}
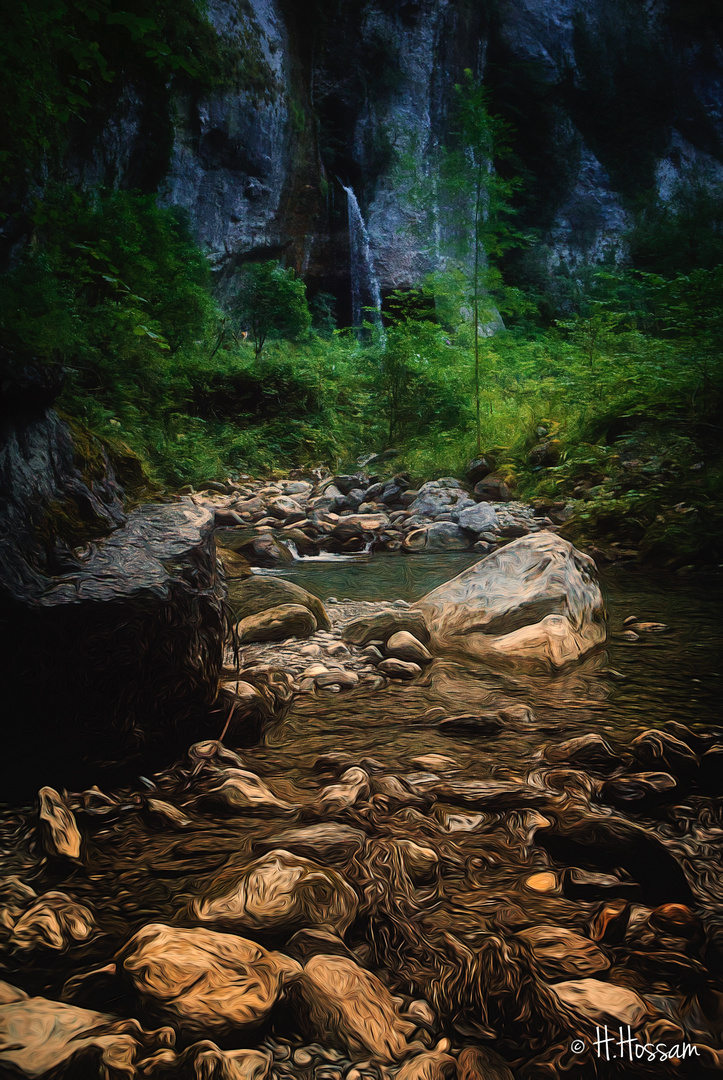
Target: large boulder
{"type": "Point", "coordinates": [124, 609]}
{"type": "Point", "coordinates": [344, 1005]}
{"type": "Point", "coordinates": [479, 517]}
{"type": "Point", "coordinates": [279, 891]}
{"type": "Point", "coordinates": [258, 593]}
{"type": "Point", "coordinates": [381, 625]}
{"type": "Point", "coordinates": [203, 982]}
{"type": "Point", "coordinates": [536, 599]}
{"type": "Point", "coordinates": [277, 624]}
{"type": "Point", "coordinates": [438, 536]}
{"type": "Point", "coordinates": [39, 1036]}
{"type": "Point", "coordinates": [440, 497]}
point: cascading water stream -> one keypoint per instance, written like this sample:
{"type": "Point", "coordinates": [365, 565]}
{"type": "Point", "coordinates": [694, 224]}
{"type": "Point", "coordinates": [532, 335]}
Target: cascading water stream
{"type": "Point", "coordinates": [365, 291]}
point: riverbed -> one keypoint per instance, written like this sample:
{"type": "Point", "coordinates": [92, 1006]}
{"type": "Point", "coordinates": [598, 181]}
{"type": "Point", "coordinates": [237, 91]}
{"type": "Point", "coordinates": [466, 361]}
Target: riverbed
{"type": "Point", "coordinates": [510, 837]}
{"type": "Point", "coordinates": [673, 673]}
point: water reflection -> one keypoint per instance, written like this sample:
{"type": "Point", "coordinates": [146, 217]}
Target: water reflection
{"type": "Point", "coordinates": [618, 691]}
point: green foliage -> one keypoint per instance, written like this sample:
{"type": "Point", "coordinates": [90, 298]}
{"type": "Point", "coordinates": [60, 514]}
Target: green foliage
{"type": "Point", "coordinates": [60, 58]}
{"type": "Point", "coordinates": [271, 303]}
{"type": "Point", "coordinates": [420, 378]}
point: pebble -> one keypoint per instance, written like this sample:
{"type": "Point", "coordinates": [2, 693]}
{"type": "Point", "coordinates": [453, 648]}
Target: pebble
{"type": "Point", "coordinates": [544, 882]}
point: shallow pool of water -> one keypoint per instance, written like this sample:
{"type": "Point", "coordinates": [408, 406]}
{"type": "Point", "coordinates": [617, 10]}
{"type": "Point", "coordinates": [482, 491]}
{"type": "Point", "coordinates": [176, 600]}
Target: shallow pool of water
{"type": "Point", "coordinates": [618, 691]}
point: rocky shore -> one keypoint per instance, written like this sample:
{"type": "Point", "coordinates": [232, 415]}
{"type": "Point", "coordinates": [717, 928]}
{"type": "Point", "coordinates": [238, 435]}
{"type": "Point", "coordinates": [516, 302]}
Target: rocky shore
{"type": "Point", "coordinates": [360, 923]}
{"type": "Point", "coordinates": [247, 915]}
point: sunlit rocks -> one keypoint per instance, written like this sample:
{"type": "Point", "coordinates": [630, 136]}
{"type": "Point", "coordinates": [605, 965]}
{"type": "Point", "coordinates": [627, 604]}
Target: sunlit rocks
{"type": "Point", "coordinates": [204, 982]}
{"type": "Point", "coordinates": [277, 624]}
{"type": "Point", "coordinates": [543, 882]}
{"type": "Point", "coordinates": [404, 646]}
{"type": "Point", "coordinates": [165, 816]}
{"type": "Point", "coordinates": [339, 1002]}
{"type": "Point", "coordinates": [352, 788]}
{"type": "Point", "coordinates": [15, 897]}
{"type": "Point", "coordinates": [399, 669]}
{"type": "Point", "coordinates": [328, 841]}
{"type": "Point", "coordinates": [234, 565]}
{"type": "Point", "coordinates": [589, 751]}
{"type": "Point", "coordinates": [280, 891]}
{"type": "Point", "coordinates": [419, 861]}
{"type": "Point", "coordinates": [561, 953]}
{"type": "Point", "coordinates": [610, 921]}
{"type": "Point", "coordinates": [57, 828]}
{"type": "Point", "coordinates": [602, 1002]}
{"type": "Point", "coordinates": [53, 921]}
{"type": "Point", "coordinates": [536, 599]}
{"type": "Point", "coordinates": [436, 1064]}
{"type": "Point", "coordinates": [39, 1036]}
{"type": "Point", "coordinates": [258, 594]}
{"type": "Point", "coordinates": [240, 789]}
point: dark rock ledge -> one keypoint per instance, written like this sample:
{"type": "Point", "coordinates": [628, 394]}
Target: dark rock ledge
{"type": "Point", "coordinates": [114, 646]}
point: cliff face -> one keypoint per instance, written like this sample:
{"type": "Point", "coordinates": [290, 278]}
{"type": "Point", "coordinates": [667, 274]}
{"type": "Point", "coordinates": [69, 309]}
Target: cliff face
{"type": "Point", "coordinates": [608, 101]}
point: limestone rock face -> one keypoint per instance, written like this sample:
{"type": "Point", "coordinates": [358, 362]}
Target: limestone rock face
{"type": "Point", "coordinates": [202, 981]}
{"type": "Point", "coordinates": [536, 599]}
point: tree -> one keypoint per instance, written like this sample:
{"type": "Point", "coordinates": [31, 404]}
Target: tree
{"type": "Point", "coordinates": [477, 203]}
{"type": "Point", "coordinates": [271, 303]}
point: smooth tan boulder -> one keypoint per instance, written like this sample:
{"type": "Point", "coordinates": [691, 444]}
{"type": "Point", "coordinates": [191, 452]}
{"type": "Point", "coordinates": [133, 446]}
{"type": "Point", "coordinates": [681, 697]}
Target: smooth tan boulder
{"type": "Point", "coordinates": [279, 891]}
{"type": "Point", "coordinates": [39, 1036]}
{"type": "Point", "coordinates": [240, 789]}
{"type": "Point", "coordinates": [206, 1061]}
{"type": "Point", "coordinates": [398, 669]}
{"type": "Point", "coordinates": [234, 565]}
{"type": "Point", "coordinates": [277, 624]}
{"type": "Point", "coordinates": [404, 646]}
{"type": "Point", "coordinates": [560, 952]}
{"type": "Point", "coordinates": [57, 827]}
{"type": "Point", "coordinates": [260, 593]}
{"type": "Point", "coordinates": [434, 1064]}
{"type": "Point", "coordinates": [53, 922]}
{"type": "Point", "coordinates": [353, 787]}
{"type": "Point", "coordinates": [601, 1002]}
{"type": "Point", "coordinates": [339, 1002]}
{"type": "Point", "coordinates": [537, 599]}
{"type": "Point", "coordinates": [202, 981]}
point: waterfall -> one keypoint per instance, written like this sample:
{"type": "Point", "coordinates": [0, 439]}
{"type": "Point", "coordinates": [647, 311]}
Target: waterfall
{"type": "Point", "coordinates": [365, 292]}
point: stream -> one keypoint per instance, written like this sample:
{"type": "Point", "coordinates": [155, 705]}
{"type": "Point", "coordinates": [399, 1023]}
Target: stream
{"type": "Point", "coordinates": [675, 674]}
{"type": "Point", "coordinates": [453, 854]}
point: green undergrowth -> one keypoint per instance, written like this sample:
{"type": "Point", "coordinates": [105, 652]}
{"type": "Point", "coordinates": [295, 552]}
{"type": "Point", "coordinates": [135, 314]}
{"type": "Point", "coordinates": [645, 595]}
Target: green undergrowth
{"type": "Point", "coordinates": [623, 385]}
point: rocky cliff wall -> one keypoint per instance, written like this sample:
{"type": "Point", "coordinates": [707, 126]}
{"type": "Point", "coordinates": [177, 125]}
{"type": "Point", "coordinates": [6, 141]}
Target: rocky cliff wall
{"type": "Point", "coordinates": [608, 100]}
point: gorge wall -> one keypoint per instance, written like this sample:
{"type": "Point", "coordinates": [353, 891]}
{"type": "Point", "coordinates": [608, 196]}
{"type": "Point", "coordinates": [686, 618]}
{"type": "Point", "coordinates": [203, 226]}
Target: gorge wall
{"type": "Point", "coordinates": [607, 101]}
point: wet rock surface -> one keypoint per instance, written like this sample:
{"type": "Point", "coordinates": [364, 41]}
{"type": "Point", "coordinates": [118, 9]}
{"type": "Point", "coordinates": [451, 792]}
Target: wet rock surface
{"type": "Point", "coordinates": [299, 908]}
{"type": "Point", "coordinates": [397, 923]}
